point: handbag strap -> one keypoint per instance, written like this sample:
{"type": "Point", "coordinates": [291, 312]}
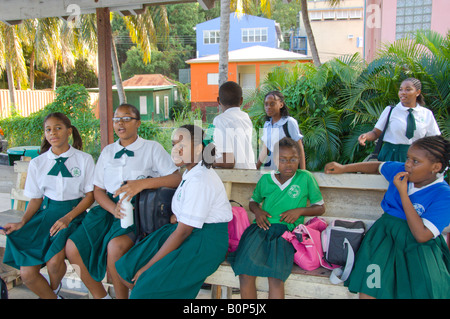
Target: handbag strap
{"type": "Point", "coordinates": [339, 275]}
{"type": "Point", "coordinates": [380, 139]}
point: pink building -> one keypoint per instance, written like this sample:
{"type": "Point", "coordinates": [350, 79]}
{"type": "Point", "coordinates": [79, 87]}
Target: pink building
{"type": "Point", "coordinates": [389, 20]}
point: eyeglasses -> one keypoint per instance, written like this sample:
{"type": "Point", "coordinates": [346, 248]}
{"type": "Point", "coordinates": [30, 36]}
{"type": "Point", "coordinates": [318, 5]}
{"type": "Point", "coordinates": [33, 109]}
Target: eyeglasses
{"type": "Point", "coordinates": [124, 119]}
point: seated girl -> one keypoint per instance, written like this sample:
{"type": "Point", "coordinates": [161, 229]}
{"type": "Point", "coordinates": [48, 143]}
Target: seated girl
{"type": "Point", "coordinates": [262, 252]}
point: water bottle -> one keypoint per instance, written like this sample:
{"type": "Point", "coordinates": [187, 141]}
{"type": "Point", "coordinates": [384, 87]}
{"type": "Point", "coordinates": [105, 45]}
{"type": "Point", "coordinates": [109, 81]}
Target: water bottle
{"type": "Point", "coordinates": [127, 209]}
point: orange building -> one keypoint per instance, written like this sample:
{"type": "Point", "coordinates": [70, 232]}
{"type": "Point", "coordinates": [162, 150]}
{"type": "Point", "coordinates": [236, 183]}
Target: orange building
{"type": "Point", "coordinates": [247, 67]}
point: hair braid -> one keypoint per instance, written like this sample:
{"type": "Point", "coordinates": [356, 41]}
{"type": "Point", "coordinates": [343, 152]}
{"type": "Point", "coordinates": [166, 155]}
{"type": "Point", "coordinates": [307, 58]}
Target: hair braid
{"type": "Point", "coordinates": [438, 147]}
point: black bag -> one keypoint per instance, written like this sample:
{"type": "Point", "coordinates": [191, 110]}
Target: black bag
{"type": "Point", "coordinates": [3, 290]}
{"type": "Point", "coordinates": [153, 208]}
{"type": "Point", "coordinates": [374, 155]}
{"type": "Point", "coordinates": [340, 242]}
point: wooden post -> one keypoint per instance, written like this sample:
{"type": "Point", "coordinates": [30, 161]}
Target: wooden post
{"type": "Point", "coordinates": [105, 76]}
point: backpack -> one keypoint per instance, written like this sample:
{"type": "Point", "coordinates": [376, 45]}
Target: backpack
{"type": "Point", "coordinates": [153, 208]}
{"type": "Point", "coordinates": [3, 290]}
{"type": "Point", "coordinates": [306, 239]}
{"type": "Point", "coordinates": [340, 242]}
{"type": "Point", "coordinates": [237, 226]}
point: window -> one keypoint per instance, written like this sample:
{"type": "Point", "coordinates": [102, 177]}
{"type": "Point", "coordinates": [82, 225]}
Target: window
{"type": "Point", "coordinates": [166, 106]}
{"type": "Point", "coordinates": [412, 16]}
{"type": "Point", "coordinates": [211, 37]}
{"type": "Point", "coordinates": [157, 105]}
{"type": "Point", "coordinates": [342, 15]}
{"type": "Point", "coordinates": [355, 14]}
{"type": "Point", "coordinates": [328, 15]}
{"type": "Point", "coordinates": [250, 35]}
{"type": "Point", "coordinates": [315, 15]}
{"type": "Point", "coordinates": [143, 105]}
{"type": "Point", "coordinates": [213, 78]}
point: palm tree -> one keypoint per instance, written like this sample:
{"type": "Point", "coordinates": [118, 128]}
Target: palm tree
{"type": "Point", "coordinates": [239, 6]}
{"type": "Point", "coordinates": [11, 59]}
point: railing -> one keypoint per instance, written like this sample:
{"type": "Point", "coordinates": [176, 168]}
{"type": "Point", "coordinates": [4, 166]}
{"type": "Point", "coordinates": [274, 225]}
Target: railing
{"type": "Point", "coordinates": [30, 101]}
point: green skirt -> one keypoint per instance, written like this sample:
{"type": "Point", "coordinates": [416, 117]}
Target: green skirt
{"type": "Point", "coordinates": [181, 273]}
{"type": "Point", "coordinates": [263, 253]}
{"type": "Point", "coordinates": [32, 244]}
{"type": "Point", "coordinates": [92, 238]}
{"type": "Point", "coordinates": [391, 264]}
{"type": "Point", "coordinates": [393, 152]}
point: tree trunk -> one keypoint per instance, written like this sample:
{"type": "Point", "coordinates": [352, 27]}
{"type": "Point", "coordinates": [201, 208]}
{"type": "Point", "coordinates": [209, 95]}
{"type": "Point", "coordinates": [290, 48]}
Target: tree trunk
{"type": "Point", "coordinates": [117, 75]}
{"type": "Point", "coordinates": [54, 74]}
{"type": "Point", "coordinates": [224, 37]}
{"type": "Point", "coordinates": [32, 58]}
{"type": "Point", "coordinates": [12, 90]}
{"type": "Point", "coordinates": [309, 33]}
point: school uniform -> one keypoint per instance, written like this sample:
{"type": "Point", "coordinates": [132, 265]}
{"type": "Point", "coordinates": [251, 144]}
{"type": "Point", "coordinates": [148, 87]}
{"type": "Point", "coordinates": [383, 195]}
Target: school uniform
{"type": "Point", "coordinates": [264, 253]}
{"type": "Point", "coordinates": [396, 144]}
{"type": "Point", "coordinates": [406, 268]}
{"type": "Point", "coordinates": [233, 131]}
{"type": "Point", "coordinates": [201, 202]}
{"type": "Point", "coordinates": [274, 132]}
{"type": "Point", "coordinates": [116, 164]}
{"type": "Point", "coordinates": [62, 181]}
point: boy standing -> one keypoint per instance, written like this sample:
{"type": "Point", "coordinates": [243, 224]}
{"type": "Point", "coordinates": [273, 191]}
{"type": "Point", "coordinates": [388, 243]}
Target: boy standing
{"type": "Point", "coordinates": [233, 130]}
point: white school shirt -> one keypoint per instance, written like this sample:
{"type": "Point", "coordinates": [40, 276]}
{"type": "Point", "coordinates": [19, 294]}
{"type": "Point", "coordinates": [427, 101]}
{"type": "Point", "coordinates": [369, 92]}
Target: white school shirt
{"type": "Point", "coordinates": [201, 198]}
{"type": "Point", "coordinates": [39, 184]}
{"type": "Point", "coordinates": [150, 160]}
{"type": "Point", "coordinates": [274, 132]}
{"type": "Point", "coordinates": [233, 132]}
{"type": "Point", "coordinates": [396, 132]}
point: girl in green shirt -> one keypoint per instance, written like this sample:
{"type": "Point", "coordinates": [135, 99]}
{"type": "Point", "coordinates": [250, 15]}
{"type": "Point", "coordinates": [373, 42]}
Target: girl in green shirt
{"type": "Point", "coordinates": [262, 252]}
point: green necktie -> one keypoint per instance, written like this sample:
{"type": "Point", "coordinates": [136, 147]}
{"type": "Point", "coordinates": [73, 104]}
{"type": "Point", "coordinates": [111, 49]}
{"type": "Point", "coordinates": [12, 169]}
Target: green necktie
{"type": "Point", "coordinates": [60, 167]}
{"type": "Point", "coordinates": [124, 151]}
{"type": "Point", "coordinates": [410, 124]}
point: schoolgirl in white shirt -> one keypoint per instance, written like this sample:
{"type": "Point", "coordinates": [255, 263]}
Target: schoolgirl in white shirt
{"type": "Point", "coordinates": [174, 261]}
{"type": "Point", "coordinates": [398, 138]}
{"type": "Point", "coordinates": [278, 125]}
{"type": "Point", "coordinates": [96, 246]}
{"type": "Point", "coordinates": [60, 185]}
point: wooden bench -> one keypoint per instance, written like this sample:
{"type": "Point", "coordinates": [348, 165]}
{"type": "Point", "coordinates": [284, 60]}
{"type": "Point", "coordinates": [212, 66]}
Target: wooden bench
{"type": "Point", "coordinates": [346, 196]}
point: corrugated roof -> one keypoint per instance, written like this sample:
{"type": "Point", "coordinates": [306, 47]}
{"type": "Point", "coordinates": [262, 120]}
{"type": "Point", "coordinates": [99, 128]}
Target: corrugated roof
{"type": "Point", "coordinates": [146, 80]}
{"type": "Point", "coordinates": [254, 53]}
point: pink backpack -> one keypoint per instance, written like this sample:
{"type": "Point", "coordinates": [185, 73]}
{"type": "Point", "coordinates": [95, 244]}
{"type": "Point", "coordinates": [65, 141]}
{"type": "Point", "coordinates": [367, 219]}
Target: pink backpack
{"type": "Point", "coordinates": [309, 252]}
{"type": "Point", "coordinates": [237, 226]}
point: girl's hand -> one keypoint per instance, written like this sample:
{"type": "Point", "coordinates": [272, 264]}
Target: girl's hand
{"type": "Point", "coordinates": [334, 168]}
{"type": "Point", "coordinates": [138, 274]}
{"type": "Point", "coordinates": [118, 210]}
{"type": "Point", "coordinates": [401, 182]}
{"type": "Point", "coordinates": [290, 216]}
{"type": "Point", "coordinates": [60, 224]}
{"type": "Point", "coordinates": [173, 219]}
{"type": "Point", "coordinates": [261, 219]}
{"type": "Point", "coordinates": [131, 188]}
{"type": "Point", "coordinates": [11, 227]}
{"type": "Point", "coordinates": [362, 139]}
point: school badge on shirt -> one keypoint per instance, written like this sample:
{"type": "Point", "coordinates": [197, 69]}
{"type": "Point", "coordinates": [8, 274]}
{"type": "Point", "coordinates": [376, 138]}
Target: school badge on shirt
{"type": "Point", "coordinates": [294, 191]}
{"type": "Point", "coordinates": [419, 208]}
{"type": "Point", "coordinates": [76, 172]}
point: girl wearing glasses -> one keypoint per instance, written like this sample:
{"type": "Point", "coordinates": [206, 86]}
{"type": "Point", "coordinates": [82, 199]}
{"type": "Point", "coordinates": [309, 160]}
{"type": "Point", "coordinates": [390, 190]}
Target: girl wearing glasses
{"type": "Point", "coordinates": [262, 252]}
{"type": "Point", "coordinates": [96, 246]}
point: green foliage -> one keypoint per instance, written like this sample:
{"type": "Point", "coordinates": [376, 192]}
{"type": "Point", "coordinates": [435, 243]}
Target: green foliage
{"type": "Point", "coordinates": [74, 102]}
{"type": "Point", "coordinates": [344, 97]}
{"type": "Point", "coordinates": [71, 100]}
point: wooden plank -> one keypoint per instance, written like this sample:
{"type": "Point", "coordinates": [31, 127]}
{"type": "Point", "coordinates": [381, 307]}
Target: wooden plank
{"type": "Point", "coordinates": [300, 284]}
